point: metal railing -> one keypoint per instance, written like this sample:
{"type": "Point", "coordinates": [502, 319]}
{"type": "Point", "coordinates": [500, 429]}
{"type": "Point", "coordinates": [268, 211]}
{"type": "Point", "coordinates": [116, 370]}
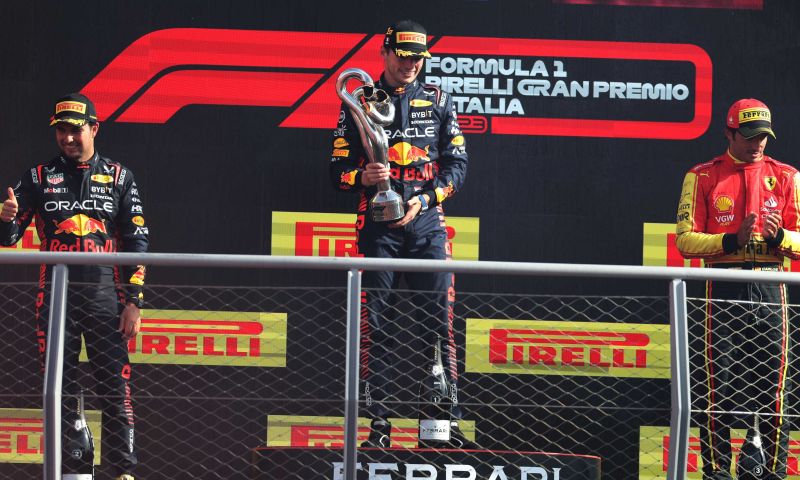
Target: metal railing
{"type": "Point", "coordinates": [679, 353]}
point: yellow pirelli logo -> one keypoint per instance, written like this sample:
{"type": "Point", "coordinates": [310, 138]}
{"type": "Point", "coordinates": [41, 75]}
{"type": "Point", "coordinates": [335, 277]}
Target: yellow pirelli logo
{"type": "Point", "coordinates": [543, 347]}
{"type": "Point", "coordinates": [70, 107]}
{"type": "Point", "coordinates": [28, 243]}
{"type": "Point", "coordinates": [22, 435]}
{"type": "Point", "coordinates": [411, 37]}
{"type": "Point", "coordinates": [654, 444]}
{"type": "Point", "coordinates": [308, 234]}
{"type": "Point", "coordinates": [201, 337]}
{"type": "Point", "coordinates": [314, 431]}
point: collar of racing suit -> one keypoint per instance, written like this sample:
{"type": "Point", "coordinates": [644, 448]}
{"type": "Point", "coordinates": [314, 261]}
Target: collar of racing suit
{"type": "Point", "coordinates": [742, 165]}
{"type": "Point", "coordinates": [396, 91]}
{"type": "Point", "coordinates": [76, 165]}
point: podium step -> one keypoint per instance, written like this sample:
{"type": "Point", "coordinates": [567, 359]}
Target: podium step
{"type": "Point", "coordinates": [286, 463]}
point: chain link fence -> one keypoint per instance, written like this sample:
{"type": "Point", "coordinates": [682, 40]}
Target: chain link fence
{"type": "Point", "coordinates": [743, 372]}
{"type": "Point", "coordinates": [225, 377]}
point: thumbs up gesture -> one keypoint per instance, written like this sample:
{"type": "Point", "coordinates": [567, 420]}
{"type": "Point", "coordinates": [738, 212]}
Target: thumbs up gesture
{"type": "Point", "coordinates": [10, 207]}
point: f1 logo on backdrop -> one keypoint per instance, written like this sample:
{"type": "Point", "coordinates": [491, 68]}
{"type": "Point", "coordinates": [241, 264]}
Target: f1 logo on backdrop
{"type": "Point", "coordinates": [499, 85]}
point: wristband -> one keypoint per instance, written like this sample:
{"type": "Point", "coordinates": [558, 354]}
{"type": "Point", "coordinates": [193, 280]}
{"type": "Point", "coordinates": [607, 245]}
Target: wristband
{"type": "Point", "coordinates": [422, 202]}
{"type": "Point", "coordinates": [135, 300]}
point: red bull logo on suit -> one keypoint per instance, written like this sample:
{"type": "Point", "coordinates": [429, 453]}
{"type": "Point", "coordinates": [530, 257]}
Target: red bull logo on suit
{"type": "Point", "coordinates": [80, 225]}
{"type": "Point", "coordinates": [403, 153]}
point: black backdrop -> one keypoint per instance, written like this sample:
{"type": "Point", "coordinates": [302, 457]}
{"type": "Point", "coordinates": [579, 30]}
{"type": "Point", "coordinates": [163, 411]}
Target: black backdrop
{"type": "Point", "coordinates": [211, 176]}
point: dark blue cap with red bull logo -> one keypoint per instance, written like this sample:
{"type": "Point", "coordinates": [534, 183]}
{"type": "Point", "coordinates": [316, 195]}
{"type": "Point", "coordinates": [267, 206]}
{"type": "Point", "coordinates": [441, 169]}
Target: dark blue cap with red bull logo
{"type": "Point", "coordinates": [75, 109]}
{"type": "Point", "coordinates": [407, 38]}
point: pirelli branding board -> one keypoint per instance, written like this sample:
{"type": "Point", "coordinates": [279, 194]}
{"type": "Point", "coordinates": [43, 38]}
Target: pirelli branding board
{"type": "Point", "coordinates": [308, 234]}
{"type": "Point", "coordinates": [202, 337]}
{"type": "Point", "coordinates": [28, 243]}
{"type": "Point", "coordinates": [544, 347]}
{"type": "Point", "coordinates": [654, 444]}
{"type": "Point", "coordinates": [659, 249]}
{"type": "Point", "coordinates": [22, 435]}
{"type": "Point", "coordinates": [313, 431]}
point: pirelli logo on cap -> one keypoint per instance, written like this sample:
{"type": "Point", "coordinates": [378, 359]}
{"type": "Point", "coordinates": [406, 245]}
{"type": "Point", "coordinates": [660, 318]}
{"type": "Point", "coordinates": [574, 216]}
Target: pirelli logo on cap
{"type": "Point", "coordinates": [542, 347]}
{"type": "Point", "coordinates": [22, 435]}
{"type": "Point", "coordinates": [70, 107]}
{"type": "Point", "coordinates": [411, 37]}
{"type": "Point", "coordinates": [314, 431]}
{"type": "Point", "coordinates": [200, 337]}
{"type": "Point", "coordinates": [309, 234]}
{"type": "Point", "coordinates": [29, 243]}
{"type": "Point", "coordinates": [654, 442]}
{"type": "Point", "coordinates": [753, 114]}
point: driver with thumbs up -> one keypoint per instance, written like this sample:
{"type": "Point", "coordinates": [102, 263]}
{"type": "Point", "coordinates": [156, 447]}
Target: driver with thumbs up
{"type": "Point", "coordinates": [10, 207]}
{"type": "Point", "coordinates": [85, 202]}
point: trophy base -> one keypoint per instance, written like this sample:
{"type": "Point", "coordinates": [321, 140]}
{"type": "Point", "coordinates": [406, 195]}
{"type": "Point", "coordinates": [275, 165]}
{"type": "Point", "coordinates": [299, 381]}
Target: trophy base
{"type": "Point", "coordinates": [387, 206]}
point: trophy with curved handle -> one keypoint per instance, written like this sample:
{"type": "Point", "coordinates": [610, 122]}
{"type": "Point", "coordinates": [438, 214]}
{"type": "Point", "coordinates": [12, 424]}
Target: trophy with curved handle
{"type": "Point", "coordinates": [372, 109]}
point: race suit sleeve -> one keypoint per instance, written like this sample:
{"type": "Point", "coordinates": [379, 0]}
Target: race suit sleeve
{"type": "Point", "coordinates": [25, 191]}
{"type": "Point", "coordinates": [452, 161]}
{"type": "Point", "coordinates": [133, 236]}
{"type": "Point", "coordinates": [787, 241]}
{"type": "Point", "coordinates": [691, 239]}
{"type": "Point", "coordinates": [347, 158]}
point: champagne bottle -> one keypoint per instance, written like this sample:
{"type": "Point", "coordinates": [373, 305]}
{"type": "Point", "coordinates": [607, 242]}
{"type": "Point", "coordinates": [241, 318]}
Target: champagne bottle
{"type": "Point", "coordinates": [78, 458]}
{"type": "Point", "coordinates": [434, 403]}
{"type": "Point", "coordinates": [752, 461]}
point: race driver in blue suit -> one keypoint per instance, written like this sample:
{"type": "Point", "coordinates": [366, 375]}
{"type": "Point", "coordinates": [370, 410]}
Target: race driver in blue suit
{"type": "Point", "coordinates": [428, 164]}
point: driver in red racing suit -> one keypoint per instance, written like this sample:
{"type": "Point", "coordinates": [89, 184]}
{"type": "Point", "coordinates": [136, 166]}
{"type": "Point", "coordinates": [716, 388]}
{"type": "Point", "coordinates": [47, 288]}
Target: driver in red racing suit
{"type": "Point", "coordinates": [428, 160]}
{"type": "Point", "coordinates": [84, 202]}
{"type": "Point", "coordinates": [741, 211]}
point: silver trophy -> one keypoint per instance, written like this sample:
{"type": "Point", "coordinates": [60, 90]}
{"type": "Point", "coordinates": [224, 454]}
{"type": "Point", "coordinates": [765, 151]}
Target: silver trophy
{"type": "Point", "coordinates": [372, 110]}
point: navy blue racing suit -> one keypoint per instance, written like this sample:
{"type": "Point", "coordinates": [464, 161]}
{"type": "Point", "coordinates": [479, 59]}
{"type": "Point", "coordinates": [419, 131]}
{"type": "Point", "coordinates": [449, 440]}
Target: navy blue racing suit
{"type": "Point", "coordinates": [91, 207]}
{"type": "Point", "coordinates": [427, 154]}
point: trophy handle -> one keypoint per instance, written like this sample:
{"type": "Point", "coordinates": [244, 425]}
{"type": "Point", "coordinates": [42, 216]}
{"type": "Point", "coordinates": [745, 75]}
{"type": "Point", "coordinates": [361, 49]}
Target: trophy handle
{"type": "Point", "coordinates": [372, 109]}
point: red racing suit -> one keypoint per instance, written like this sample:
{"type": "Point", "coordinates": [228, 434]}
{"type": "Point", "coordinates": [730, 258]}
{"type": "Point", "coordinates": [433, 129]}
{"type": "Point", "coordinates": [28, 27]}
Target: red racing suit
{"type": "Point", "coordinates": [745, 346]}
{"type": "Point", "coordinates": [427, 154]}
{"type": "Point", "coordinates": [89, 207]}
